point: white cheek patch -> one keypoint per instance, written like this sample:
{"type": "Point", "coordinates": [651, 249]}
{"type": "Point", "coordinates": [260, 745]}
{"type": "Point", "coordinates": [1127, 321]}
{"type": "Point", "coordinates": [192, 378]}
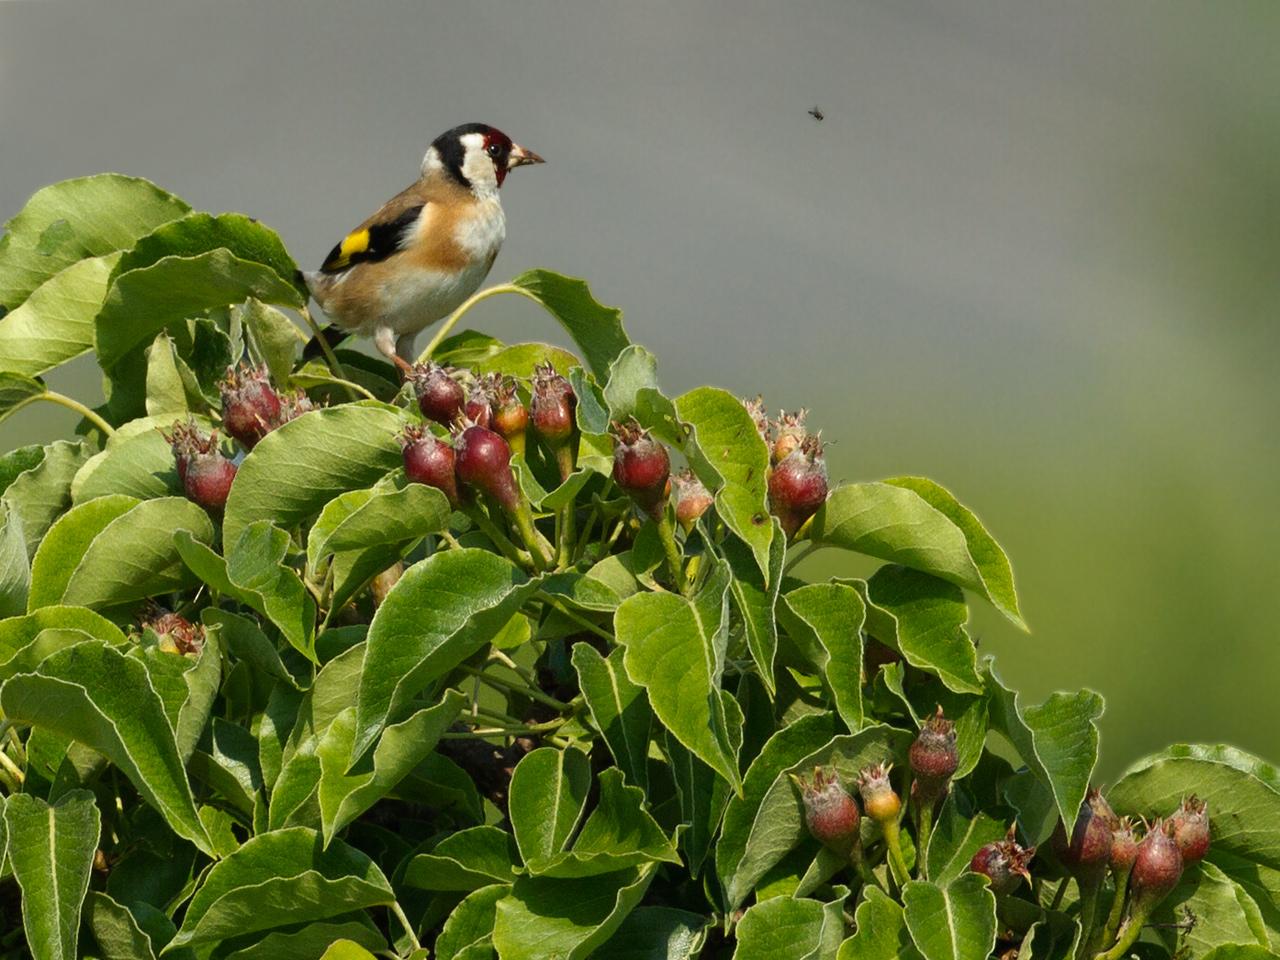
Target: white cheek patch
{"type": "Point", "coordinates": [477, 167]}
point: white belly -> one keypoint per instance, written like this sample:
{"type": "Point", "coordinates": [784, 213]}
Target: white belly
{"type": "Point", "coordinates": [418, 298]}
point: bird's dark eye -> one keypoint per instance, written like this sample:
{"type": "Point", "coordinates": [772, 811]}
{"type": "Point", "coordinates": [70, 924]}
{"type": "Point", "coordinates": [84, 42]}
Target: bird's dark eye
{"type": "Point", "coordinates": [494, 149]}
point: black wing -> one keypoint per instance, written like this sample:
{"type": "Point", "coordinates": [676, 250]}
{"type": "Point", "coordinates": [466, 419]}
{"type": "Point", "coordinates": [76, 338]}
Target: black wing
{"type": "Point", "coordinates": [374, 242]}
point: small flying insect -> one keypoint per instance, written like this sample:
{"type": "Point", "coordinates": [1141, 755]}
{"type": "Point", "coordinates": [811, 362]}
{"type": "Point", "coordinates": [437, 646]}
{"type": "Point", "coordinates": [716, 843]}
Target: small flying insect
{"type": "Point", "coordinates": [817, 114]}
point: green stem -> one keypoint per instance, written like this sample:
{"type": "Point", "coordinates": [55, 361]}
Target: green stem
{"type": "Point", "coordinates": [567, 535]}
{"type": "Point", "coordinates": [675, 560]}
{"type": "Point", "coordinates": [1129, 934]}
{"type": "Point", "coordinates": [500, 539]}
{"type": "Point", "coordinates": [893, 845]}
{"type": "Point", "coordinates": [1059, 893]}
{"type": "Point", "coordinates": [1112, 926]}
{"type": "Point", "coordinates": [1088, 912]}
{"type": "Point", "coordinates": [585, 536]}
{"type": "Point", "coordinates": [11, 768]}
{"type": "Point", "coordinates": [863, 869]}
{"type": "Point", "coordinates": [792, 561]}
{"type": "Point", "coordinates": [508, 686]}
{"type": "Point", "coordinates": [52, 396]}
{"type": "Point", "coordinates": [539, 549]}
{"type": "Point", "coordinates": [575, 617]}
{"type": "Point", "coordinates": [525, 673]}
{"type": "Point", "coordinates": [470, 302]}
{"type": "Point", "coordinates": [404, 922]}
{"type": "Point", "coordinates": [330, 359]}
{"type": "Point", "coordinates": [922, 838]}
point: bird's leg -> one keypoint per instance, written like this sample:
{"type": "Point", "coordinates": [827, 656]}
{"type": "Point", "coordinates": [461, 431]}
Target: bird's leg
{"type": "Point", "coordinates": [404, 347]}
{"type": "Point", "coordinates": [385, 340]}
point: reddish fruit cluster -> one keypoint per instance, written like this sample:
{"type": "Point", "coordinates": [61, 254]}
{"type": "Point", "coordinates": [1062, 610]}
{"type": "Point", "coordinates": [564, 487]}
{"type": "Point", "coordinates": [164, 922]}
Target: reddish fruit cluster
{"type": "Point", "coordinates": [934, 757]}
{"type": "Point", "coordinates": [1157, 867]}
{"type": "Point", "coordinates": [1088, 851]}
{"type": "Point", "coordinates": [483, 462]}
{"type": "Point", "coordinates": [552, 414]}
{"type": "Point", "coordinates": [251, 407]}
{"type": "Point", "coordinates": [510, 417]}
{"type": "Point", "coordinates": [1004, 862]}
{"type": "Point", "coordinates": [830, 813]}
{"type": "Point", "coordinates": [878, 797]}
{"type": "Point", "coordinates": [798, 484]}
{"type": "Point", "coordinates": [641, 467]}
{"type": "Point", "coordinates": [429, 460]}
{"type": "Point", "coordinates": [440, 396]}
{"type": "Point", "coordinates": [1124, 846]}
{"type": "Point", "coordinates": [691, 496]}
{"type": "Point", "coordinates": [176, 634]}
{"type": "Point", "coordinates": [205, 473]}
{"type": "Point", "coordinates": [1190, 825]}
{"type": "Point", "coordinates": [482, 398]}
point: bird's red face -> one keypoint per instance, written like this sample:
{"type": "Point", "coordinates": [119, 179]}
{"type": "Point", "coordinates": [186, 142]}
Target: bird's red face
{"type": "Point", "coordinates": [471, 149]}
{"type": "Point", "coordinates": [506, 156]}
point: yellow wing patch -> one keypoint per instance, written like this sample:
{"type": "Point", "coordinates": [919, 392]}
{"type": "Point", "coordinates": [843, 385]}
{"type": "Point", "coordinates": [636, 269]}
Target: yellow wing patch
{"type": "Point", "coordinates": [352, 244]}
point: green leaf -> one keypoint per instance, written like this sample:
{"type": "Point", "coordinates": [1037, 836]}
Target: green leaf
{"type": "Point", "coordinates": [727, 453]}
{"type": "Point", "coordinates": [298, 468]}
{"type": "Point", "coordinates": [441, 611]}
{"type": "Point", "coordinates": [547, 796]}
{"type": "Point", "coordinates": [254, 573]}
{"type": "Point", "coordinates": [279, 878]}
{"type": "Point", "coordinates": [881, 932]}
{"type": "Point", "coordinates": [960, 831]}
{"type": "Point", "coordinates": [347, 950]}
{"type": "Point", "coordinates": [619, 709]}
{"type": "Point", "coordinates": [312, 941]}
{"type": "Point", "coordinates": [783, 927]}
{"type": "Point", "coordinates": [1243, 797]}
{"type": "Point", "coordinates": [17, 462]}
{"type": "Point", "coordinates": [466, 860]}
{"type": "Point", "coordinates": [703, 796]}
{"type": "Point", "coordinates": [145, 301]}
{"type": "Point", "coordinates": [116, 930]}
{"type": "Point", "coordinates": [544, 918]}
{"type": "Point", "coordinates": [25, 641]}
{"type": "Point", "coordinates": [51, 852]}
{"type": "Point", "coordinates": [1224, 913]}
{"type": "Point", "coordinates": [1057, 740]}
{"type": "Point", "coordinates": [1239, 951]}
{"type": "Point", "coordinates": [67, 542]}
{"type": "Point", "coordinates": [782, 751]}
{"type": "Point", "coordinates": [619, 833]}
{"type": "Point", "coordinates": [345, 794]}
{"type": "Point", "coordinates": [595, 328]}
{"type": "Point", "coordinates": [955, 922]}
{"type": "Point", "coordinates": [134, 556]}
{"type": "Point", "coordinates": [15, 571]}
{"type": "Point", "coordinates": [468, 933]}
{"type": "Point", "coordinates": [198, 233]}
{"type": "Point", "coordinates": [656, 933]}
{"type": "Point", "coordinates": [363, 518]}
{"type": "Point", "coordinates": [56, 323]}
{"type": "Point", "coordinates": [139, 464]}
{"type": "Point", "coordinates": [632, 392]}
{"type": "Point", "coordinates": [102, 698]}
{"type": "Point", "coordinates": [988, 557]}
{"type": "Point", "coordinates": [829, 616]}
{"type": "Point", "coordinates": [246, 641]}
{"type": "Point", "coordinates": [16, 391]}
{"type": "Point", "coordinates": [166, 394]}
{"type": "Point", "coordinates": [924, 618]}
{"type": "Point", "coordinates": [778, 822]}
{"type": "Point", "coordinates": [41, 494]}
{"type": "Point", "coordinates": [68, 221]}
{"type": "Point", "coordinates": [1056, 937]}
{"type": "Point", "coordinates": [675, 649]}
{"type": "Point", "coordinates": [519, 359]}
{"type": "Point", "coordinates": [890, 521]}
{"type": "Point", "coordinates": [272, 338]}
{"type": "Point", "coordinates": [187, 687]}
{"type": "Point", "coordinates": [755, 594]}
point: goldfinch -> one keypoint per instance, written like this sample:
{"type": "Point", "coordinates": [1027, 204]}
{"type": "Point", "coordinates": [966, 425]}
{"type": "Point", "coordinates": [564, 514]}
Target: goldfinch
{"type": "Point", "coordinates": [427, 249]}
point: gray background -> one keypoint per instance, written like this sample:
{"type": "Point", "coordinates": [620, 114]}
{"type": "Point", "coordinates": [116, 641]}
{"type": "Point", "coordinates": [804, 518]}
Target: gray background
{"type": "Point", "coordinates": [1031, 252]}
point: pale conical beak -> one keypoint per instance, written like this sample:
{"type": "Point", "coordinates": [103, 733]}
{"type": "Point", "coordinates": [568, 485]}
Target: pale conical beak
{"type": "Point", "coordinates": [521, 157]}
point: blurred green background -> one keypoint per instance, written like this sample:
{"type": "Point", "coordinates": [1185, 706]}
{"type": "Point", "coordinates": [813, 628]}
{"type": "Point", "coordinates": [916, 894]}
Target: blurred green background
{"type": "Point", "coordinates": [1030, 252]}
